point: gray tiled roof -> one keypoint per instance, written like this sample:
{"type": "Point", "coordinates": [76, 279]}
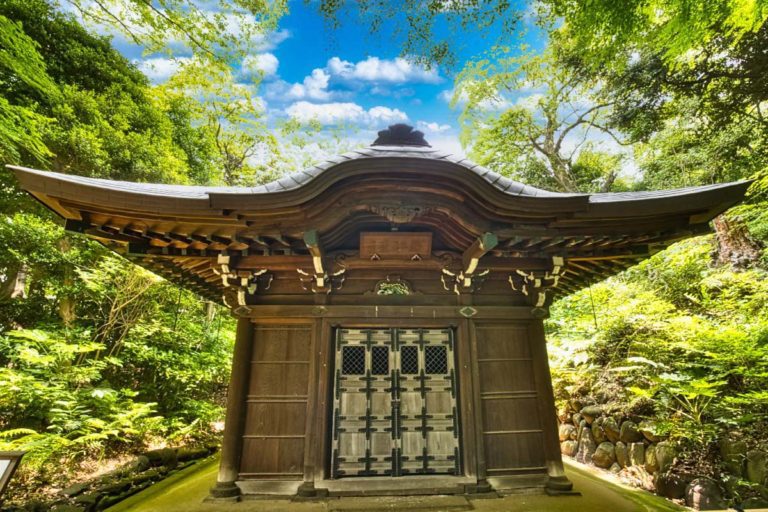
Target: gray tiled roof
{"type": "Point", "coordinates": [298, 179]}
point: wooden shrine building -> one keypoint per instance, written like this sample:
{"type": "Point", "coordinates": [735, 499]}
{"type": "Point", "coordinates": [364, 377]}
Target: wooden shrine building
{"type": "Point", "coordinates": [390, 305]}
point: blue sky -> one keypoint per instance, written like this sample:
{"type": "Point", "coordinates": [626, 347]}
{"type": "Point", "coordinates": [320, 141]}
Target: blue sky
{"type": "Point", "coordinates": [348, 75]}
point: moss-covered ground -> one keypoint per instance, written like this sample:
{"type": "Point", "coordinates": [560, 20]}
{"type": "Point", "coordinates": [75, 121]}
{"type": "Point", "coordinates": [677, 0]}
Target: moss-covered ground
{"type": "Point", "coordinates": [185, 492]}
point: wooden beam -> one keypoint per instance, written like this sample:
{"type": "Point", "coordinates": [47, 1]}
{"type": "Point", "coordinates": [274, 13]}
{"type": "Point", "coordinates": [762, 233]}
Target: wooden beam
{"type": "Point", "coordinates": [477, 250]}
{"type": "Point", "coordinates": [312, 240]}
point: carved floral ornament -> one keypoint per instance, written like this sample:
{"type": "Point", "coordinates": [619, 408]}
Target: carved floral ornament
{"type": "Point", "coordinates": [399, 213]}
{"type": "Point", "coordinates": [393, 285]}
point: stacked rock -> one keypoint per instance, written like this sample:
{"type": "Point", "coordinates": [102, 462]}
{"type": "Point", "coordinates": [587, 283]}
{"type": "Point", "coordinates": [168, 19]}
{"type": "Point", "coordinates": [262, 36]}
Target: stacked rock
{"type": "Point", "coordinates": [630, 446]}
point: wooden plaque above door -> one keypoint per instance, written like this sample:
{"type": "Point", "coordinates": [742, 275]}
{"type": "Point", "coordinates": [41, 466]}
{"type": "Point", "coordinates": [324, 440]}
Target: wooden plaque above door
{"type": "Point", "coordinates": [396, 245]}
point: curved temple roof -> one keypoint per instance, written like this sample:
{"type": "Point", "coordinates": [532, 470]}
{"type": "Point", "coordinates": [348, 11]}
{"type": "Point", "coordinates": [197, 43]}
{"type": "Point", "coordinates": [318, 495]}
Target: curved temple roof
{"type": "Point", "coordinates": [409, 187]}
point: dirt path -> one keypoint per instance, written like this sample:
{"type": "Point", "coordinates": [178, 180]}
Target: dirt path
{"type": "Point", "coordinates": [185, 491]}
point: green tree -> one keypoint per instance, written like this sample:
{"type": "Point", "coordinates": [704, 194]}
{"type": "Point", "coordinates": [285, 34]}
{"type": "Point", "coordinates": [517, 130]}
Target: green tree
{"type": "Point", "coordinates": [21, 125]}
{"type": "Point", "coordinates": [541, 138]}
{"type": "Point", "coordinates": [232, 29]}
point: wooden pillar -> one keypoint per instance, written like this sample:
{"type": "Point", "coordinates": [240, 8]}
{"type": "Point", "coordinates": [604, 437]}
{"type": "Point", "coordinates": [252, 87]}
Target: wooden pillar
{"type": "Point", "coordinates": [557, 482]}
{"type": "Point", "coordinates": [231, 445]}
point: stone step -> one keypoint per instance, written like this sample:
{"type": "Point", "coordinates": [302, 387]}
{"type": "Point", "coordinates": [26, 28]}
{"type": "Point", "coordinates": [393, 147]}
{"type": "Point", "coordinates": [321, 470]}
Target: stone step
{"type": "Point", "coordinates": [400, 503]}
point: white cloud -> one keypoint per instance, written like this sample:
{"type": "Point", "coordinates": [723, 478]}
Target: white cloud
{"type": "Point", "coordinates": [160, 69]}
{"type": "Point", "coordinates": [530, 102]}
{"type": "Point", "coordinates": [381, 74]}
{"type": "Point", "coordinates": [447, 96]}
{"type": "Point", "coordinates": [374, 69]}
{"type": "Point", "coordinates": [449, 143]}
{"type": "Point", "coordinates": [386, 115]}
{"type": "Point", "coordinates": [315, 87]}
{"type": "Point", "coordinates": [272, 40]}
{"type": "Point", "coordinates": [346, 112]}
{"type": "Point", "coordinates": [497, 103]}
{"type": "Point", "coordinates": [265, 63]}
{"type": "Point", "coordinates": [432, 127]}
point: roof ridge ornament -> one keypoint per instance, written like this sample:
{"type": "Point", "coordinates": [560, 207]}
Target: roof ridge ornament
{"type": "Point", "coordinates": [401, 135]}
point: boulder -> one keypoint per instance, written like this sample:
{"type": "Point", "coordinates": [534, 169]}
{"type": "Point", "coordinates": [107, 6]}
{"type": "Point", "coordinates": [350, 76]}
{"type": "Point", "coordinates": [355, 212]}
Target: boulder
{"type": "Point", "coordinates": [597, 431]}
{"type": "Point", "coordinates": [162, 457]}
{"type": "Point", "coordinates": [651, 462]}
{"type": "Point", "coordinates": [604, 456]}
{"type": "Point", "coordinates": [615, 468]}
{"type": "Point", "coordinates": [611, 428]}
{"type": "Point", "coordinates": [186, 454]}
{"type": "Point", "coordinates": [89, 501]}
{"type": "Point", "coordinates": [587, 446]}
{"type": "Point", "coordinates": [671, 485]}
{"type": "Point", "coordinates": [753, 503]}
{"type": "Point", "coordinates": [756, 466]}
{"type": "Point", "coordinates": [665, 455]}
{"type": "Point", "coordinates": [622, 455]}
{"type": "Point", "coordinates": [74, 490]}
{"type": "Point", "coordinates": [629, 433]}
{"type": "Point", "coordinates": [565, 430]}
{"type": "Point", "coordinates": [137, 465]}
{"type": "Point", "coordinates": [704, 494]}
{"type": "Point", "coordinates": [637, 476]}
{"type": "Point", "coordinates": [569, 447]}
{"type": "Point", "coordinates": [591, 412]}
{"type": "Point", "coordinates": [115, 487]}
{"type": "Point", "coordinates": [636, 454]}
{"type": "Point", "coordinates": [576, 419]}
{"type": "Point", "coordinates": [648, 429]}
{"type": "Point", "coordinates": [733, 452]}
{"type": "Point", "coordinates": [575, 405]}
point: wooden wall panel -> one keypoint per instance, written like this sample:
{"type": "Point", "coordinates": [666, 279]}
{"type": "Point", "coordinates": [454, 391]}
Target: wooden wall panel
{"type": "Point", "coordinates": [276, 416]}
{"type": "Point", "coordinates": [514, 453]}
{"type": "Point", "coordinates": [269, 457]}
{"type": "Point", "coordinates": [512, 435]}
{"type": "Point", "coordinates": [496, 416]}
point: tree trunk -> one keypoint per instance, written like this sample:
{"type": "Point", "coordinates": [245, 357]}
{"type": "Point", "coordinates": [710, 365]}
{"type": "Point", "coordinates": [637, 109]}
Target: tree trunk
{"type": "Point", "coordinates": [15, 286]}
{"type": "Point", "coordinates": [66, 306]}
{"type": "Point", "coordinates": [735, 246]}
{"type": "Point", "coordinates": [210, 312]}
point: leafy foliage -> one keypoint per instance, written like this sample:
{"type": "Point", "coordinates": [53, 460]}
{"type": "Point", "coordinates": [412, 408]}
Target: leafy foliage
{"type": "Point", "coordinates": [540, 138]}
{"type": "Point", "coordinates": [674, 340]}
{"type": "Point", "coordinates": [97, 356]}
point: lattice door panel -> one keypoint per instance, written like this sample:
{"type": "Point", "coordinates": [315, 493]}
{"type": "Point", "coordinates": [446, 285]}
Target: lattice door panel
{"type": "Point", "coordinates": [395, 403]}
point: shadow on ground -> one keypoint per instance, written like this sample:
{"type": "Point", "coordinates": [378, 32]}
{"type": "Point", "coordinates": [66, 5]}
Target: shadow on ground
{"type": "Point", "coordinates": [185, 491]}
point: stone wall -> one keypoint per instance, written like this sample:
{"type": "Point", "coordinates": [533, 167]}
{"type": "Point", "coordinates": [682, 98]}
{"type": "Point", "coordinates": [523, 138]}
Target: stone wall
{"type": "Point", "coordinates": [113, 487]}
{"type": "Point", "coordinates": [630, 448]}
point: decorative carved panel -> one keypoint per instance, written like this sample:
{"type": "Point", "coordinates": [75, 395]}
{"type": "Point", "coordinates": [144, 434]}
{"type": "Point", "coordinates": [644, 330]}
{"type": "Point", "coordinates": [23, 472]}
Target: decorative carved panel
{"type": "Point", "coordinates": [399, 214]}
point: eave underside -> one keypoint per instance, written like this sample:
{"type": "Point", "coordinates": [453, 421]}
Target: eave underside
{"type": "Point", "coordinates": [184, 239]}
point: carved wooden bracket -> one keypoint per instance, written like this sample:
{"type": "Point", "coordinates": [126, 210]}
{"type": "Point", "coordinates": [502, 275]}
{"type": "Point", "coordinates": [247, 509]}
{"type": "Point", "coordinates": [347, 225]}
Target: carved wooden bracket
{"type": "Point", "coordinates": [458, 282]}
{"type": "Point", "coordinates": [536, 284]}
{"type": "Point", "coordinates": [469, 279]}
{"type": "Point", "coordinates": [242, 282]}
{"type": "Point", "coordinates": [322, 281]}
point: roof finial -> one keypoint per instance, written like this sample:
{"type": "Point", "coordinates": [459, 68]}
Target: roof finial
{"type": "Point", "coordinates": [400, 135]}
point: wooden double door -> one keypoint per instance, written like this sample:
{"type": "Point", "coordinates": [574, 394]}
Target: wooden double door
{"type": "Point", "coordinates": [395, 404]}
